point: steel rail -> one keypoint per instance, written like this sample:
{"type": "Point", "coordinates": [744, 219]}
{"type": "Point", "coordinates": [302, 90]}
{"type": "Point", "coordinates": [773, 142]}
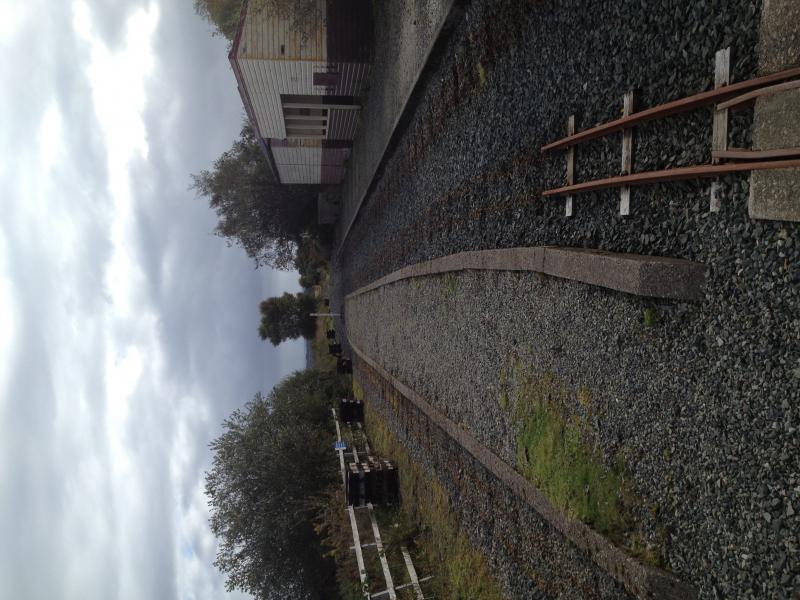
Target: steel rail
{"type": "Point", "coordinates": [744, 154]}
{"type": "Point", "coordinates": [679, 174]}
{"type": "Point", "coordinates": [672, 108]}
{"type": "Point", "coordinates": [765, 91]}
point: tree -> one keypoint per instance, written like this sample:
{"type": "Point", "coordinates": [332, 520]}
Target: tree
{"type": "Point", "coordinates": [270, 467]}
{"type": "Point", "coordinates": [303, 15]}
{"type": "Point", "coordinates": [265, 218]}
{"type": "Point", "coordinates": [287, 317]}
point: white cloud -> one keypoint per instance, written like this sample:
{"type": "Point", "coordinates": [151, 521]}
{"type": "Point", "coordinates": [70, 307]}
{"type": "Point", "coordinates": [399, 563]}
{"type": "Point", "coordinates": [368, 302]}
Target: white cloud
{"type": "Point", "coordinates": [102, 437]}
{"type": "Point", "coordinates": [12, 17]}
{"type": "Point", "coordinates": [8, 317]}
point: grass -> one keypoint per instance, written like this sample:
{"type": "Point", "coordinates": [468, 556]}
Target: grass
{"type": "Point", "coordinates": [450, 281]}
{"type": "Point", "coordinates": [481, 75]}
{"type": "Point", "coordinates": [460, 571]}
{"type": "Point", "coordinates": [554, 454]}
{"type": "Point", "coordinates": [319, 345]}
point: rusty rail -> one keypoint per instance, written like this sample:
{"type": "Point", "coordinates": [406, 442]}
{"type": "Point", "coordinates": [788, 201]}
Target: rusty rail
{"type": "Point", "coordinates": [679, 174]}
{"type": "Point", "coordinates": [755, 155]}
{"type": "Point", "coordinates": [672, 108]}
{"type": "Point", "coordinates": [765, 91]}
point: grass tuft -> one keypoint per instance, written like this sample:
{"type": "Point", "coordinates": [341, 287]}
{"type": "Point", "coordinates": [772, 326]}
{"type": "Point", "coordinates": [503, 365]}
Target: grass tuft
{"type": "Point", "coordinates": [650, 317]}
{"type": "Point", "coordinates": [553, 453]}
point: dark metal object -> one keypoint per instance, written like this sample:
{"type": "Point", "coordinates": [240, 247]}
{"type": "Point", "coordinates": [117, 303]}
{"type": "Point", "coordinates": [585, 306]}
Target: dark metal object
{"type": "Point", "coordinates": [372, 481]}
{"type": "Point", "coordinates": [344, 366]}
{"type": "Point", "coordinates": [351, 411]}
{"type": "Point", "coordinates": [679, 174]}
{"type": "Point", "coordinates": [672, 108]}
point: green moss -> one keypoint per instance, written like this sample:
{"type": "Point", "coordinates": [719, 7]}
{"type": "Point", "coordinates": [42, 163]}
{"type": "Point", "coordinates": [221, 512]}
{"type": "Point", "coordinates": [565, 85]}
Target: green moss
{"type": "Point", "coordinates": [450, 281]}
{"type": "Point", "coordinates": [503, 400]}
{"type": "Point", "coordinates": [358, 391]}
{"type": "Point", "coordinates": [481, 75]}
{"type": "Point", "coordinates": [553, 453]}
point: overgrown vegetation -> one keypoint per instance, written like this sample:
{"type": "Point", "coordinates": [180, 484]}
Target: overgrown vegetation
{"type": "Point", "coordinates": [556, 454]}
{"type": "Point", "coordinates": [287, 317]}
{"type": "Point", "coordinates": [271, 465]}
{"type": "Point", "coordinates": [224, 15]}
{"type": "Point", "coordinates": [265, 218]}
{"type": "Point", "coordinates": [460, 570]}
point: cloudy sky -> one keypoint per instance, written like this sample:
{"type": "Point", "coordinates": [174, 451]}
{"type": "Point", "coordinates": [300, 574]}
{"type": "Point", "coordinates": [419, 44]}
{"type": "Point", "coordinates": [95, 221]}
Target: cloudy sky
{"type": "Point", "coordinates": [127, 330]}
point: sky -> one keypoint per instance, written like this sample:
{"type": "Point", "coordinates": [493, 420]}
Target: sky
{"type": "Point", "coordinates": [127, 329]}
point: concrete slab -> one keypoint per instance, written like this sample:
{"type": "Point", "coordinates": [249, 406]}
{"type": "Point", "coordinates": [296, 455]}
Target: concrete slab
{"type": "Point", "coordinates": [651, 276]}
{"type": "Point", "coordinates": [775, 194]}
{"type": "Point", "coordinates": [779, 37]}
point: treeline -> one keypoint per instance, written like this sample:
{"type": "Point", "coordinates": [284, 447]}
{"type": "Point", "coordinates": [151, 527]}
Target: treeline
{"type": "Point", "coordinates": [224, 15]}
{"type": "Point", "coordinates": [271, 471]}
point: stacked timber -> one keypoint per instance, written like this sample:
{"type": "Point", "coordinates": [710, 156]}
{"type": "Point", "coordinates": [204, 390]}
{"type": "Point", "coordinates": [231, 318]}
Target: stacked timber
{"type": "Point", "coordinates": [351, 411]}
{"type": "Point", "coordinates": [372, 481]}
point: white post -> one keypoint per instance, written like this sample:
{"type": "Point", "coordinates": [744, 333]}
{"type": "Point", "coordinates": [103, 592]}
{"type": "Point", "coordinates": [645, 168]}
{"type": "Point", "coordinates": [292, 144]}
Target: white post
{"type": "Point", "coordinates": [570, 166]}
{"type": "Point", "coordinates": [719, 134]}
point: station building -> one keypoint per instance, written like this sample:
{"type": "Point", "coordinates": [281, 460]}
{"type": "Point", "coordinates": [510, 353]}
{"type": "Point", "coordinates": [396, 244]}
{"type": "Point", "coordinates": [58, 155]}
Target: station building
{"type": "Point", "coordinates": [302, 89]}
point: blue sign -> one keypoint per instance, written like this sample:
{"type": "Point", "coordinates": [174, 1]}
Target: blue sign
{"type": "Point", "coordinates": [340, 446]}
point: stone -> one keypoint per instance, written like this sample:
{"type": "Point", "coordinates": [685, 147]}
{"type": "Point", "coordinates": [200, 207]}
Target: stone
{"type": "Point", "coordinates": [775, 194]}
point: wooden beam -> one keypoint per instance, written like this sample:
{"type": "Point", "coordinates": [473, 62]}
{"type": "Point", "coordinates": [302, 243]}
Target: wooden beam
{"type": "Point", "coordinates": [719, 128]}
{"type": "Point", "coordinates": [387, 575]}
{"type": "Point", "coordinates": [320, 106]}
{"type": "Point", "coordinates": [306, 126]}
{"type": "Point", "coordinates": [765, 91]}
{"type": "Point", "coordinates": [672, 108]}
{"type": "Point", "coordinates": [570, 166]}
{"type": "Point", "coordinates": [306, 117]}
{"type": "Point", "coordinates": [377, 595]}
{"type": "Point", "coordinates": [362, 571]}
{"type": "Point", "coordinates": [679, 174]}
{"type": "Point", "coordinates": [412, 573]}
{"type": "Point", "coordinates": [340, 452]}
{"type": "Point", "coordinates": [627, 156]}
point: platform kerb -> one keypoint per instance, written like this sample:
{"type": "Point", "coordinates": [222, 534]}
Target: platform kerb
{"type": "Point", "coordinates": [776, 194]}
{"type": "Point", "coordinates": [651, 276]}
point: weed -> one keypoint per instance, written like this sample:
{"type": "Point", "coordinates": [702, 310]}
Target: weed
{"type": "Point", "coordinates": [358, 391]}
{"type": "Point", "coordinates": [503, 400]}
{"type": "Point", "coordinates": [553, 453]}
{"type": "Point", "coordinates": [650, 317]}
{"type": "Point", "coordinates": [481, 75]}
{"type": "Point", "coordinates": [585, 398]}
{"type": "Point", "coordinates": [450, 281]}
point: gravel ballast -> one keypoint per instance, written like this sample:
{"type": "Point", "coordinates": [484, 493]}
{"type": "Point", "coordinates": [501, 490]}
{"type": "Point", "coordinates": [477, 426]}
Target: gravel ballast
{"type": "Point", "coordinates": [527, 557]}
{"type": "Point", "coordinates": [708, 398]}
{"type": "Point", "coordinates": [714, 471]}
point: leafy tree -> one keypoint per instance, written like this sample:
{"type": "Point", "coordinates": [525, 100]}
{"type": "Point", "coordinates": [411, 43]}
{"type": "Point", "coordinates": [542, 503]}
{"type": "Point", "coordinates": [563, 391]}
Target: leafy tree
{"type": "Point", "coordinates": [262, 216]}
{"type": "Point", "coordinates": [271, 465]}
{"type": "Point", "coordinates": [287, 317]}
{"type": "Point", "coordinates": [224, 14]}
